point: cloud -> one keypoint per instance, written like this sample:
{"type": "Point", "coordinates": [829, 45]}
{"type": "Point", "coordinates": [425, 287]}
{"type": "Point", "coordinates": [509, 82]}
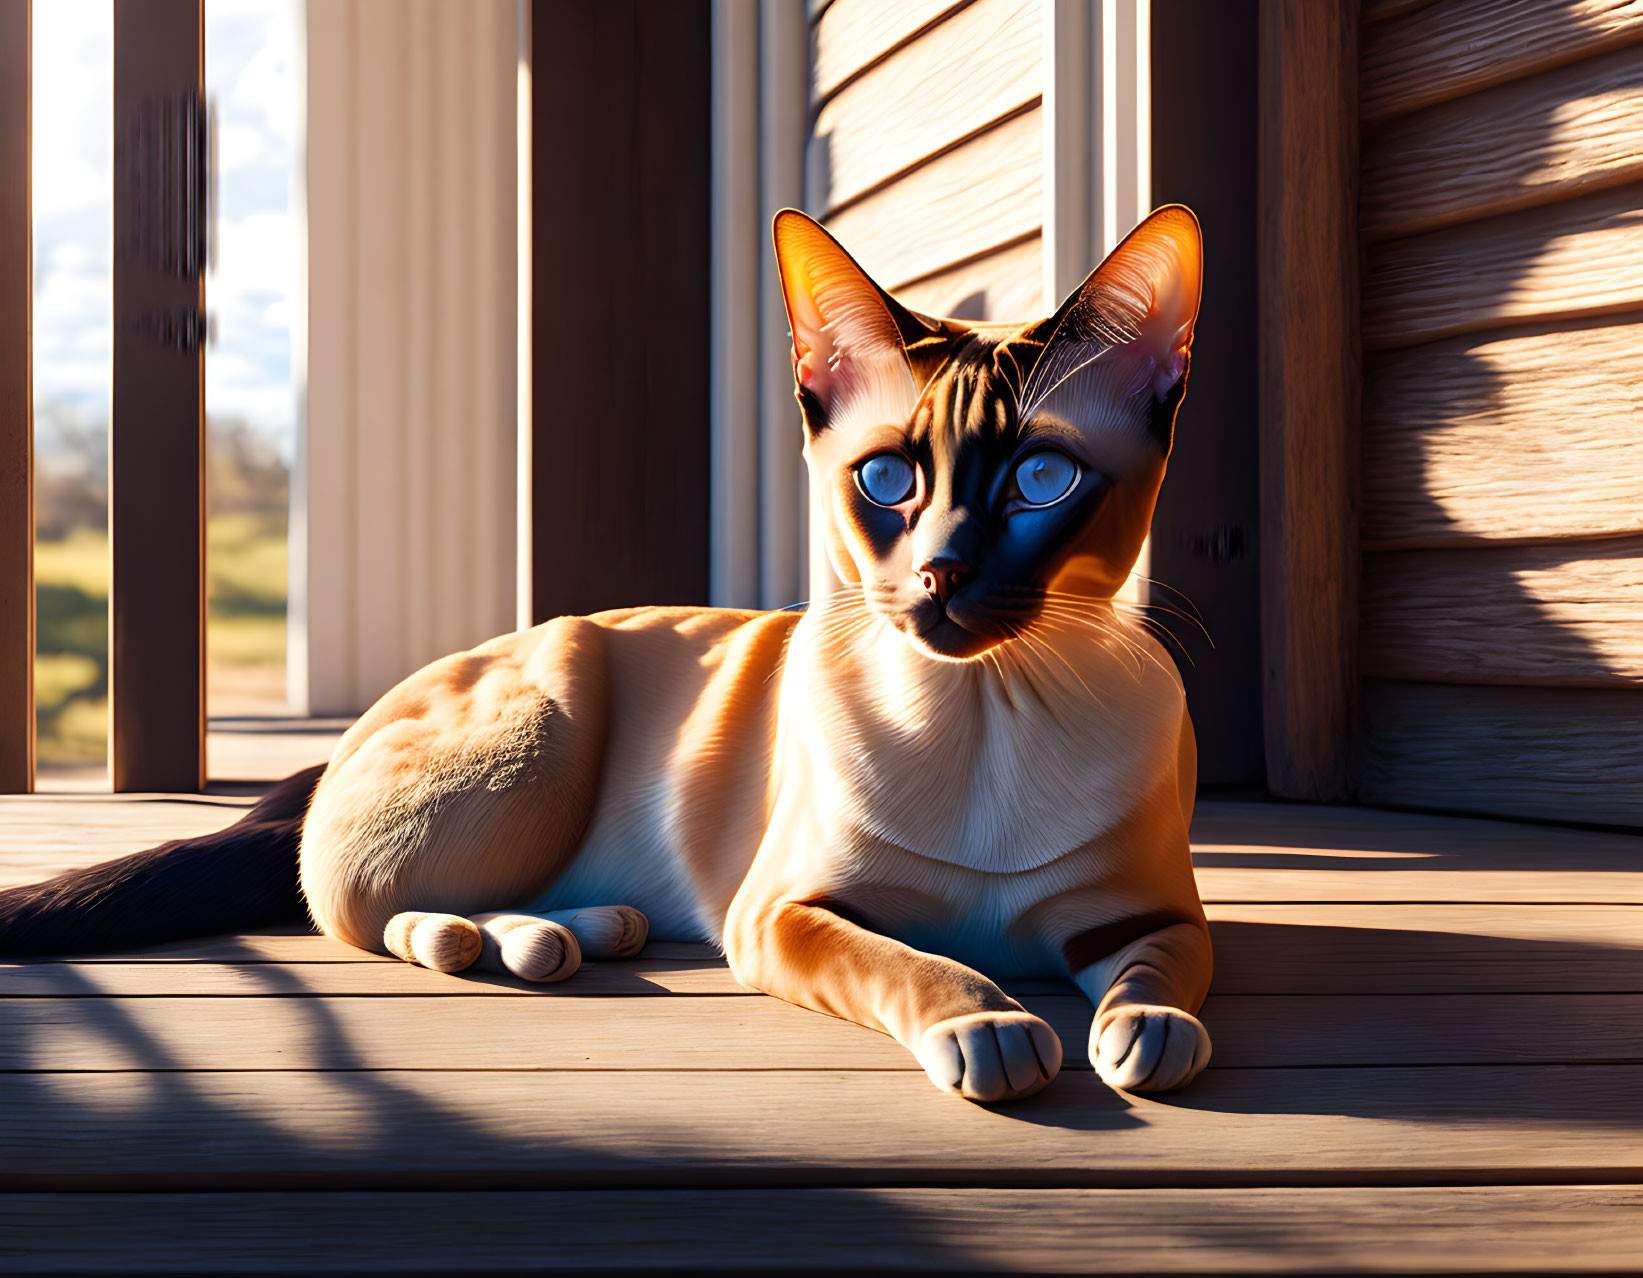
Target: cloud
{"type": "Point", "coordinates": [250, 69]}
{"type": "Point", "coordinates": [239, 146]}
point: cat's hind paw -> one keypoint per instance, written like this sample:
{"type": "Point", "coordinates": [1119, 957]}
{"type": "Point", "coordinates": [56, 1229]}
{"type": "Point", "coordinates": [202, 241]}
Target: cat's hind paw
{"type": "Point", "coordinates": [990, 1056]}
{"type": "Point", "coordinates": [606, 931]}
{"type": "Point", "coordinates": [529, 946]}
{"type": "Point", "coordinates": [1146, 1048]}
{"type": "Point", "coordinates": [443, 942]}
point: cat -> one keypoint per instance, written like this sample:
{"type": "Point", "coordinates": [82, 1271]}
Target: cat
{"type": "Point", "coordinates": [963, 766]}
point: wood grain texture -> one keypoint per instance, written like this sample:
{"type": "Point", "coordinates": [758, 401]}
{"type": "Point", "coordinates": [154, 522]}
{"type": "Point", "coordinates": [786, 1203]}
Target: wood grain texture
{"type": "Point", "coordinates": [1416, 949]}
{"type": "Point", "coordinates": [1309, 391]}
{"type": "Point", "coordinates": [1501, 438]}
{"type": "Point", "coordinates": [1498, 1229]}
{"type": "Point", "coordinates": [1385, 10]}
{"type": "Point", "coordinates": [247, 752]}
{"type": "Point", "coordinates": [1567, 615]}
{"type": "Point", "coordinates": [16, 406]}
{"type": "Point", "coordinates": [156, 647]}
{"type": "Point", "coordinates": [1366, 947]}
{"type": "Point", "coordinates": [326, 1102]}
{"type": "Point", "coordinates": [1442, 51]}
{"type": "Point", "coordinates": [1580, 258]}
{"type": "Point", "coordinates": [1006, 284]}
{"type": "Point", "coordinates": [1560, 754]}
{"type": "Point", "coordinates": [1573, 130]}
{"type": "Point", "coordinates": [985, 194]}
{"type": "Point", "coordinates": [1243, 852]}
{"type": "Point", "coordinates": [1269, 852]}
{"type": "Point", "coordinates": [588, 1129]}
{"type": "Point", "coordinates": [853, 35]}
{"type": "Point", "coordinates": [631, 245]}
{"type": "Point", "coordinates": [708, 1033]}
{"type": "Point", "coordinates": [1206, 525]}
{"type": "Point", "coordinates": [973, 69]}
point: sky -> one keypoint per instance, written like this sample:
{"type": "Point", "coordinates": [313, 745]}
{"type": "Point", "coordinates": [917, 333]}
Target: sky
{"type": "Point", "coordinates": [250, 72]}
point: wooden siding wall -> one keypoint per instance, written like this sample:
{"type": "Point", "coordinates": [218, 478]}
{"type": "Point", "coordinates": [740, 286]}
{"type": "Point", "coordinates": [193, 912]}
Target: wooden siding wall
{"type": "Point", "coordinates": [1502, 504]}
{"type": "Point", "coordinates": [926, 156]}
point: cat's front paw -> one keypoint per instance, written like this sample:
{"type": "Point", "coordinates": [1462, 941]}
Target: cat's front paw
{"type": "Point", "coordinates": [1141, 1047]}
{"type": "Point", "coordinates": [990, 1056]}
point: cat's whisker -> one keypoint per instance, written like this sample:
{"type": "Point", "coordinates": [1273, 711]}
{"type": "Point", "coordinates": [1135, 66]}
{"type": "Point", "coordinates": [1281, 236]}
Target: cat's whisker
{"type": "Point", "coordinates": [1143, 618]}
{"type": "Point", "coordinates": [1162, 632]}
{"type": "Point", "coordinates": [1104, 627]}
{"type": "Point", "coordinates": [1102, 631]}
{"type": "Point", "coordinates": [1149, 609]}
{"type": "Point", "coordinates": [1049, 651]}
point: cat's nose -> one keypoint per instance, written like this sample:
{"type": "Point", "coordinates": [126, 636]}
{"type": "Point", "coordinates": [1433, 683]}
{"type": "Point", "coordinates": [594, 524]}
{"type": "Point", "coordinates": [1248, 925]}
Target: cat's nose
{"type": "Point", "coordinates": [943, 578]}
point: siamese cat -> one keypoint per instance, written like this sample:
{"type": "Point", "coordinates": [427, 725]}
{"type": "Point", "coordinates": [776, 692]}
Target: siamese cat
{"type": "Point", "coordinates": [964, 766]}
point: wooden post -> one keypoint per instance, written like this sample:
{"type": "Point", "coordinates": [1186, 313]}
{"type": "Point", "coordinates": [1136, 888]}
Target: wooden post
{"type": "Point", "coordinates": [157, 427]}
{"type": "Point", "coordinates": [16, 409]}
{"type": "Point", "coordinates": [620, 345]}
{"type": "Point", "coordinates": [1309, 390]}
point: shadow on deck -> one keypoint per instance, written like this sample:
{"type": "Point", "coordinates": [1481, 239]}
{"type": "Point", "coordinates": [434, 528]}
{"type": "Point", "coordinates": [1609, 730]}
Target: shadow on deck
{"type": "Point", "coordinates": [1429, 1057]}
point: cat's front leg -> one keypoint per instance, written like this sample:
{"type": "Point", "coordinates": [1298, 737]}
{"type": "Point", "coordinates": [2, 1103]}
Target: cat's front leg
{"type": "Point", "coordinates": [1145, 1037]}
{"type": "Point", "coordinates": [970, 1037]}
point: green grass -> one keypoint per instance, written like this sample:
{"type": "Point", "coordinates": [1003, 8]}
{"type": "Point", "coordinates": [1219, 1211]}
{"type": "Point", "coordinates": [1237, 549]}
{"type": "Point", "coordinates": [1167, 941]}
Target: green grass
{"type": "Point", "coordinates": [245, 635]}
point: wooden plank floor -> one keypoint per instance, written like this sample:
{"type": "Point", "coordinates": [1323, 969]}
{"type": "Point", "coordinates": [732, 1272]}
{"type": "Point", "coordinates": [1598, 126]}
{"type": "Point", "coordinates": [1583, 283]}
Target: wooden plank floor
{"type": "Point", "coordinates": [1428, 1058]}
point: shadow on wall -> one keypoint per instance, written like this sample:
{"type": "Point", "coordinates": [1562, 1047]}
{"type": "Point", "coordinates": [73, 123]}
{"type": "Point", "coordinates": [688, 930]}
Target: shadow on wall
{"type": "Point", "coordinates": [1502, 433]}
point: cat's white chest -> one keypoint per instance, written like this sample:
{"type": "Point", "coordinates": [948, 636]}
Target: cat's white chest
{"type": "Point", "coordinates": [992, 767]}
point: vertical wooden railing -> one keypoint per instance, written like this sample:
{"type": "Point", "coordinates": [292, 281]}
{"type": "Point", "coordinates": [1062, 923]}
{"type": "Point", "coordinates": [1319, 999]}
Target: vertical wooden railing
{"type": "Point", "coordinates": [157, 423]}
{"type": "Point", "coordinates": [16, 409]}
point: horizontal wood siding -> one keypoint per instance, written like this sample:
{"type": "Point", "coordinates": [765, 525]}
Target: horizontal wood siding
{"type": "Point", "coordinates": [1568, 614]}
{"type": "Point", "coordinates": [985, 193]}
{"type": "Point", "coordinates": [1573, 130]}
{"type": "Point", "coordinates": [1558, 754]}
{"type": "Point", "coordinates": [1569, 260]}
{"type": "Point", "coordinates": [1446, 50]}
{"type": "Point", "coordinates": [1505, 437]}
{"type": "Point", "coordinates": [855, 35]}
{"type": "Point", "coordinates": [927, 153]}
{"type": "Point", "coordinates": [957, 78]}
{"type": "Point", "coordinates": [1501, 617]}
{"type": "Point", "coordinates": [1005, 279]}
{"type": "Point", "coordinates": [1385, 10]}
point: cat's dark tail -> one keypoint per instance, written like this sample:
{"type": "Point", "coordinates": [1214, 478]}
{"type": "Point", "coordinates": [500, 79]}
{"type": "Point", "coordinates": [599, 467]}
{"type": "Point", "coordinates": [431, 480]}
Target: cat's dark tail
{"type": "Point", "coordinates": [229, 881]}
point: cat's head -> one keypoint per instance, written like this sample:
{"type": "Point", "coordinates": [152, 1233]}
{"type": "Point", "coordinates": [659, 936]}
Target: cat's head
{"type": "Point", "coordinates": [965, 475]}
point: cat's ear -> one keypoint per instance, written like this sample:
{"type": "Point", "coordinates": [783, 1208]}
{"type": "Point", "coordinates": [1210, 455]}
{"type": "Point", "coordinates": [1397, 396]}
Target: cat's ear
{"type": "Point", "coordinates": [1125, 333]}
{"type": "Point", "coordinates": [849, 335]}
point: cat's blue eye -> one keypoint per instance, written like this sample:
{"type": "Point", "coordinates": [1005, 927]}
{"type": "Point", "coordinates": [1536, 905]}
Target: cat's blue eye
{"type": "Point", "coordinates": [886, 478]}
{"type": "Point", "coordinates": [1045, 477]}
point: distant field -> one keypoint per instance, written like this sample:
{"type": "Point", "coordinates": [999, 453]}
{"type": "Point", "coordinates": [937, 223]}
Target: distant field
{"type": "Point", "coordinates": [245, 635]}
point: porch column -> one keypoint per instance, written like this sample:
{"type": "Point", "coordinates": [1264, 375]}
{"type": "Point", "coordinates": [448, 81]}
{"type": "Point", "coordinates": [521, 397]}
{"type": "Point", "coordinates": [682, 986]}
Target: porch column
{"type": "Point", "coordinates": [16, 409]}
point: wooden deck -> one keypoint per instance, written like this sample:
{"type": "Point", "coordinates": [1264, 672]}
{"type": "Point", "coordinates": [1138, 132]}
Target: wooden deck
{"type": "Point", "coordinates": [1428, 1058]}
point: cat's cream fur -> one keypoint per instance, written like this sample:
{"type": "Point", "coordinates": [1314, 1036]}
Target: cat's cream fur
{"type": "Point", "coordinates": [868, 829]}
